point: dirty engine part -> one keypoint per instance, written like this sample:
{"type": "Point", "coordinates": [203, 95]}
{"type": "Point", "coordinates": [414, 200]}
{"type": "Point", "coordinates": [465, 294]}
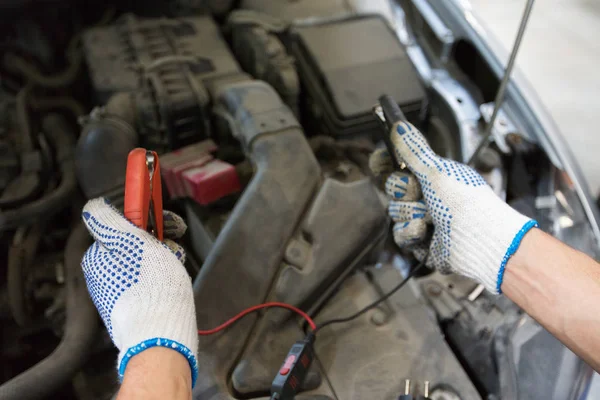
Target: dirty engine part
{"type": "Point", "coordinates": [169, 66]}
{"type": "Point", "coordinates": [346, 65]}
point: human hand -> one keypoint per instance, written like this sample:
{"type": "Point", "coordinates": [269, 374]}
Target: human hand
{"type": "Point", "coordinates": [475, 232]}
{"type": "Point", "coordinates": [139, 285]}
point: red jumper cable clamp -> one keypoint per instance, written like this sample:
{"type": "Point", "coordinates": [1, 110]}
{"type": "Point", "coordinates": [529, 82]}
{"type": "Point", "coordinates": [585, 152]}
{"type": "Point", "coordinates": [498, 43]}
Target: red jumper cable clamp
{"type": "Point", "coordinates": [143, 192]}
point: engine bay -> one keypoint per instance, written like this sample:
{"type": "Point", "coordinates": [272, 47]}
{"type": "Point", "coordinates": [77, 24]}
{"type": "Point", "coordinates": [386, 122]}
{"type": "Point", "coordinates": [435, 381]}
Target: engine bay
{"type": "Point", "coordinates": [262, 116]}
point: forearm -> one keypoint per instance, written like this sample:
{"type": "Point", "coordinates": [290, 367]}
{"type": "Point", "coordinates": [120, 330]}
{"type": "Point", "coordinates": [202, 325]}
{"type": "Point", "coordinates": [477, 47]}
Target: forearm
{"type": "Point", "coordinates": [560, 288]}
{"type": "Point", "coordinates": [157, 373]}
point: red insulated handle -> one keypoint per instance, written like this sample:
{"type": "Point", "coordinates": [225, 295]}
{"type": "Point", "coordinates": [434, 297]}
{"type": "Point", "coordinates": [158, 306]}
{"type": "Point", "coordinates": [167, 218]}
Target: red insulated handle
{"type": "Point", "coordinates": [137, 189]}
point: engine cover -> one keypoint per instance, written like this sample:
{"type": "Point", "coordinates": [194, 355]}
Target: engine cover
{"type": "Point", "coordinates": [170, 66]}
{"type": "Point", "coordinates": [347, 65]}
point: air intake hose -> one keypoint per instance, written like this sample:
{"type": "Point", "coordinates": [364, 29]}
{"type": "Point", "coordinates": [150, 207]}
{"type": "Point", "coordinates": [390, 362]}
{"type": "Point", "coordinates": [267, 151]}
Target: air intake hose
{"type": "Point", "coordinates": [247, 254]}
{"type": "Point", "coordinates": [106, 139]}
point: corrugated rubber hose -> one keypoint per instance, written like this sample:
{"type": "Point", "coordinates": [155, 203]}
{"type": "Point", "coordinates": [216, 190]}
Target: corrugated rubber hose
{"type": "Point", "coordinates": [81, 327]}
{"type": "Point", "coordinates": [20, 257]}
{"type": "Point", "coordinates": [62, 140]}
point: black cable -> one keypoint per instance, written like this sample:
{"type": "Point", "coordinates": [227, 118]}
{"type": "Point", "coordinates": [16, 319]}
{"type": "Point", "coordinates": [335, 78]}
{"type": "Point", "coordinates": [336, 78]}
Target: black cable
{"type": "Point", "coordinates": [376, 302]}
{"type": "Point", "coordinates": [324, 373]}
{"type": "Point", "coordinates": [286, 383]}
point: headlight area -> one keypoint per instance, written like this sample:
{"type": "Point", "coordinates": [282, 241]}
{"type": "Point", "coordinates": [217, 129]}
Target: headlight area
{"type": "Point", "coordinates": [546, 193]}
{"type": "Point", "coordinates": [560, 212]}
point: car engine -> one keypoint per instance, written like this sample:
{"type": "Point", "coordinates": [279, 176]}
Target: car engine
{"type": "Point", "coordinates": [261, 113]}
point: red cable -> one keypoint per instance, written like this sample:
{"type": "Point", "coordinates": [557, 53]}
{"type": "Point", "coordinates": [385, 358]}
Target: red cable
{"type": "Point", "coordinates": [247, 311]}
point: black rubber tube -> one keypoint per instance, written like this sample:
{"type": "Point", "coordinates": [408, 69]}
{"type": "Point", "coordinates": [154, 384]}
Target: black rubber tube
{"type": "Point", "coordinates": [62, 139]}
{"type": "Point", "coordinates": [61, 102]}
{"type": "Point", "coordinates": [20, 256]}
{"type": "Point", "coordinates": [22, 104]}
{"type": "Point", "coordinates": [26, 146]}
{"type": "Point", "coordinates": [81, 327]}
{"type": "Point", "coordinates": [23, 67]}
{"type": "Point", "coordinates": [106, 140]}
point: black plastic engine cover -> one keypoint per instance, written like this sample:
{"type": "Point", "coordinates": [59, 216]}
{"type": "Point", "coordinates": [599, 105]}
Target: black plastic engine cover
{"type": "Point", "coordinates": [347, 65]}
{"type": "Point", "coordinates": [328, 246]}
{"type": "Point", "coordinates": [170, 65]}
{"type": "Point", "coordinates": [290, 10]}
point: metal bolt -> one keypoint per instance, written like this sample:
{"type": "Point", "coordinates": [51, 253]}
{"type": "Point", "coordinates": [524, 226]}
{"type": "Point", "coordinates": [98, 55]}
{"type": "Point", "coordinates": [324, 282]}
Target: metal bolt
{"type": "Point", "coordinates": [294, 252]}
{"type": "Point", "coordinates": [378, 317]}
{"type": "Point", "coordinates": [434, 290]}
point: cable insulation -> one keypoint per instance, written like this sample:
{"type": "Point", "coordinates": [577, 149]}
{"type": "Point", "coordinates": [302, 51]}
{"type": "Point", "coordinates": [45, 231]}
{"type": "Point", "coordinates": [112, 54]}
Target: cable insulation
{"type": "Point", "coordinates": [304, 315]}
{"type": "Point", "coordinates": [376, 302]}
{"type": "Point", "coordinates": [258, 307]}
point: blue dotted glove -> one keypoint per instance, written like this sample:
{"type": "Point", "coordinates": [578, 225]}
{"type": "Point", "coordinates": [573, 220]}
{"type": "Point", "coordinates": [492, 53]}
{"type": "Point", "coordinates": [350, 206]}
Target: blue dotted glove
{"type": "Point", "coordinates": [475, 232]}
{"type": "Point", "coordinates": [139, 285]}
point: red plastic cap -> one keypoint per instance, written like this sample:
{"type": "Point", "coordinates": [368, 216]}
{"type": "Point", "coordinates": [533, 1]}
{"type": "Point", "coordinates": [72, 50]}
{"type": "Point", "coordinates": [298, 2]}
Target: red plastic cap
{"type": "Point", "coordinates": [176, 183]}
{"type": "Point", "coordinates": [211, 182]}
{"type": "Point", "coordinates": [176, 162]}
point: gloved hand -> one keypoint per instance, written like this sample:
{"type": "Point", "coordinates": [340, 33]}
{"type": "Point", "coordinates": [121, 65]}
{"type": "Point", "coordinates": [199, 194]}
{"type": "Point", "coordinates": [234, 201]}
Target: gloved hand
{"type": "Point", "coordinates": [475, 232]}
{"type": "Point", "coordinates": [139, 285]}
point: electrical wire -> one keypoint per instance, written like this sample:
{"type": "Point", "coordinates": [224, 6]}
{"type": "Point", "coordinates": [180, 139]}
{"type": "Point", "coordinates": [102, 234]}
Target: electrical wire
{"type": "Point", "coordinates": [376, 302]}
{"type": "Point", "coordinates": [315, 328]}
{"type": "Point", "coordinates": [258, 307]}
{"type": "Point", "coordinates": [322, 368]}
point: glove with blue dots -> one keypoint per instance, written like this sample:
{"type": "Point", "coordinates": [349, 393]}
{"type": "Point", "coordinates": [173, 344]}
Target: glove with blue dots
{"type": "Point", "coordinates": [139, 285]}
{"type": "Point", "coordinates": [475, 232]}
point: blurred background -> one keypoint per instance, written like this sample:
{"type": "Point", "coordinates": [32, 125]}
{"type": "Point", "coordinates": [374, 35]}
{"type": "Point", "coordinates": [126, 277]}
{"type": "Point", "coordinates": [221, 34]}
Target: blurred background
{"type": "Point", "coordinates": [559, 57]}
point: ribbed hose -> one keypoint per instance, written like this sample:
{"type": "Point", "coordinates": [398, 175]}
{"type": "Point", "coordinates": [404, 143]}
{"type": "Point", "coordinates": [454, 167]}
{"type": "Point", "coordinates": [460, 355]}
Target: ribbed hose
{"type": "Point", "coordinates": [62, 139]}
{"type": "Point", "coordinates": [81, 327]}
{"type": "Point", "coordinates": [61, 102]}
{"type": "Point", "coordinates": [21, 66]}
{"type": "Point", "coordinates": [20, 256]}
{"type": "Point", "coordinates": [29, 177]}
{"type": "Point", "coordinates": [22, 103]}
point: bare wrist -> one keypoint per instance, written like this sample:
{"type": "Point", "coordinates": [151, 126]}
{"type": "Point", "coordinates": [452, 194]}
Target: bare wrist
{"type": "Point", "coordinates": [157, 373]}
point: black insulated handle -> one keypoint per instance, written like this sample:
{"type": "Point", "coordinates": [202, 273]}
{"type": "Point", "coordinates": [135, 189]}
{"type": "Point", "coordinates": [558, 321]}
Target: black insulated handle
{"type": "Point", "coordinates": [388, 113]}
{"type": "Point", "coordinates": [391, 111]}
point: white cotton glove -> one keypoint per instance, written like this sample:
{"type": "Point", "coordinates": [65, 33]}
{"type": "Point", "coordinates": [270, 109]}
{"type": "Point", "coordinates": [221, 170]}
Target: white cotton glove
{"type": "Point", "coordinates": [139, 285]}
{"type": "Point", "coordinates": [475, 232]}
